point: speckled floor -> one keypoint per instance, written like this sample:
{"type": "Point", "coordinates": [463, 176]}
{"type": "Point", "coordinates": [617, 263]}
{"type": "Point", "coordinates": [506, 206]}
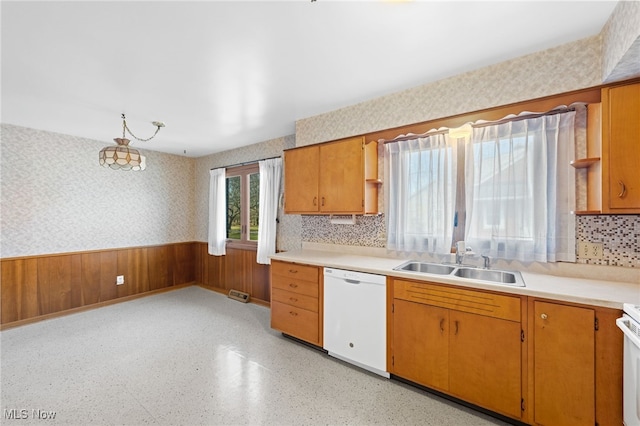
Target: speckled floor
{"type": "Point", "coordinates": [192, 356]}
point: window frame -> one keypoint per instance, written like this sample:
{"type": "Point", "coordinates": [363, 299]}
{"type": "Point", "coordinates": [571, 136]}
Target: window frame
{"type": "Point", "coordinates": [244, 172]}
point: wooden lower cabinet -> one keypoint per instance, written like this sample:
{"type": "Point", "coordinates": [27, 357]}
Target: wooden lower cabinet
{"type": "Point", "coordinates": [538, 361]}
{"type": "Point", "coordinates": [485, 356]}
{"type": "Point", "coordinates": [577, 371]}
{"type": "Point", "coordinates": [296, 302]}
{"type": "Point", "coordinates": [440, 341]}
{"type": "Point", "coordinates": [421, 343]}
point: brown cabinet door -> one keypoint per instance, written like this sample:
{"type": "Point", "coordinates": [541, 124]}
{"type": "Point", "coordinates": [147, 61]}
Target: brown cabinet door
{"type": "Point", "coordinates": [564, 365]}
{"type": "Point", "coordinates": [622, 115]}
{"type": "Point", "coordinates": [342, 176]}
{"type": "Point", "coordinates": [421, 343]}
{"type": "Point", "coordinates": [485, 362]}
{"type": "Point", "coordinates": [301, 167]}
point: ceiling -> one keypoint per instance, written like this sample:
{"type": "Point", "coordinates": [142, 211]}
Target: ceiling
{"type": "Point", "coordinates": [227, 74]}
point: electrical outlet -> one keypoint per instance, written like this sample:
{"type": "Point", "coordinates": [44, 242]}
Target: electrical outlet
{"type": "Point", "coordinates": [120, 280]}
{"type": "Point", "coordinates": [587, 250]}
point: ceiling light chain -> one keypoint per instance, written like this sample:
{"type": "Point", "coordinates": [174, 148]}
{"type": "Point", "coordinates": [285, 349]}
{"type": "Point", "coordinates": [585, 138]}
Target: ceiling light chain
{"type": "Point", "coordinates": [158, 125]}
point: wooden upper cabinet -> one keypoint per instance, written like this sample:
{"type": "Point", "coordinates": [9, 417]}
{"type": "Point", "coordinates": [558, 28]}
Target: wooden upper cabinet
{"type": "Point", "coordinates": [301, 168]}
{"type": "Point", "coordinates": [328, 178]}
{"type": "Point", "coordinates": [621, 149]}
{"type": "Point", "coordinates": [342, 176]}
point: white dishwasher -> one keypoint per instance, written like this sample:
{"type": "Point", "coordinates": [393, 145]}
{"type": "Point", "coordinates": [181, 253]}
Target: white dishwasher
{"type": "Point", "coordinates": [355, 318]}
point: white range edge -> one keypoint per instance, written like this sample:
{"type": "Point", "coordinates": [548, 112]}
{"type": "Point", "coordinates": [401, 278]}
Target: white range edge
{"type": "Point", "coordinates": [608, 294]}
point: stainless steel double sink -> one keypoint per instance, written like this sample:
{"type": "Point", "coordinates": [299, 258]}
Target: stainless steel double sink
{"type": "Point", "coordinates": [511, 278]}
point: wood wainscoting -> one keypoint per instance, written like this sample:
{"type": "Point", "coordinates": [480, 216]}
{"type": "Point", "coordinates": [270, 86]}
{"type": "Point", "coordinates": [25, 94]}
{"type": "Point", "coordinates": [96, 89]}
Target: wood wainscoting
{"type": "Point", "coordinates": [33, 288]}
{"type": "Point", "coordinates": [237, 270]}
{"type": "Point", "coordinates": [38, 287]}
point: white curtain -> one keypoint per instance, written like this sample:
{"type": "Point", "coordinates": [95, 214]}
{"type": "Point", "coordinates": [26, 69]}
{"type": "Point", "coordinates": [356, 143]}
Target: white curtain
{"type": "Point", "coordinates": [520, 189]}
{"type": "Point", "coordinates": [270, 182]}
{"type": "Point", "coordinates": [217, 212]}
{"type": "Point", "coordinates": [421, 176]}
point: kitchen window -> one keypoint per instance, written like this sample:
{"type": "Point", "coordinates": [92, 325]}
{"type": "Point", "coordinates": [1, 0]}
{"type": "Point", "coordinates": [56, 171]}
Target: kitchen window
{"type": "Point", "coordinates": [243, 208]}
{"type": "Point", "coordinates": [421, 200]}
{"type": "Point", "coordinates": [508, 191]}
{"type": "Point", "coordinates": [243, 203]}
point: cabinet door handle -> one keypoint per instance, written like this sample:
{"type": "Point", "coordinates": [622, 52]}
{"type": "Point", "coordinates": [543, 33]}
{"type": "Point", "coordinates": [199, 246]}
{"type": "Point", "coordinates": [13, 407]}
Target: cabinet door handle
{"type": "Point", "coordinates": [322, 201]}
{"type": "Point", "coordinates": [294, 314]}
{"type": "Point", "coordinates": [293, 271]}
{"type": "Point", "coordinates": [293, 299]}
{"type": "Point", "coordinates": [544, 316]}
{"type": "Point", "coordinates": [456, 323]}
{"type": "Point", "coordinates": [442, 325]}
{"type": "Point", "coordinates": [315, 201]}
{"type": "Point", "coordinates": [293, 285]}
{"type": "Point", "coordinates": [623, 189]}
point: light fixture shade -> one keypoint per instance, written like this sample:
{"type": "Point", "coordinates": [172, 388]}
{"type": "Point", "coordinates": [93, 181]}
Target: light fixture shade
{"type": "Point", "coordinates": [121, 156]}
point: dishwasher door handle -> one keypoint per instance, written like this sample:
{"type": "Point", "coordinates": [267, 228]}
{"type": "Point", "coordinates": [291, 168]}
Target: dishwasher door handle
{"type": "Point", "coordinates": [347, 280]}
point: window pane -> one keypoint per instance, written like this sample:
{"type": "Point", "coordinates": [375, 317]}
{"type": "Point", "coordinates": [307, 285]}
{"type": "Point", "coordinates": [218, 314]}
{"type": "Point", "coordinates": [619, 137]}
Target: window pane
{"type": "Point", "coordinates": [422, 188]}
{"type": "Point", "coordinates": [254, 205]}
{"type": "Point", "coordinates": [503, 191]}
{"type": "Point", "coordinates": [233, 208]}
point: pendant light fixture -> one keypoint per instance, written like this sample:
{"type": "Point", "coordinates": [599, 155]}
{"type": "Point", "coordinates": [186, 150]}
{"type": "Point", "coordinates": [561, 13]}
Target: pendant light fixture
{"type": "Point", "coordinates": [122, 156]}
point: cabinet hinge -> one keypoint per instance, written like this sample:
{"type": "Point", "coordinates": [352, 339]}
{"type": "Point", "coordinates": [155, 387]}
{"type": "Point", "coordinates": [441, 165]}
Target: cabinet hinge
{"type": "Point", "coordinates": [596, 324]}
{"type": "Point", "coordinates": [522, 404]}
{"type": "Point", "coordinates": [522, 335]}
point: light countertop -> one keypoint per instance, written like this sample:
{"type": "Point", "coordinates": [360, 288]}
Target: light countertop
{"type": "Point", "coordinates": [609, 294]}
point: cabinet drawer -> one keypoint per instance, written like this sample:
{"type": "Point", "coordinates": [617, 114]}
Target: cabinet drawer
{"type": "Point", "coordinates": [476, 302]}
{"type": "Point", "coordinates": [294, 285]}
{"type": "Point", "coordinates": [292, 270]}
{"type": "Point", "coordinates": [295, 321]}
{"type": "Point", "coordinates": [295, 299]}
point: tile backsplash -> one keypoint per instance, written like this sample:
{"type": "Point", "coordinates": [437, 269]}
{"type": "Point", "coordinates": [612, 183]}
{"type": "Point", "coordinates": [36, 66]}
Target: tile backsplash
{"type": "Point", "coordinates": [368, 231]}
{"type": "Point", "coordinates": [619, 235]}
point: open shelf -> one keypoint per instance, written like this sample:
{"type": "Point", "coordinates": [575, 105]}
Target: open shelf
{"type": "Point", "coordinates": [584, 162]}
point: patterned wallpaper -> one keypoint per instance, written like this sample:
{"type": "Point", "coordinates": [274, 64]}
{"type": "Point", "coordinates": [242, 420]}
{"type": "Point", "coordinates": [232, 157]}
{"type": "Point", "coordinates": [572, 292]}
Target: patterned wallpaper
{"type": "Point", "coordinates": [55, 197]}
{"type": "Point", "coordinates": [69, 206]}
{"type": "Point", "coordinates": [621, 43]}
{"type": "Point", "coordinates": [288, 235]}
{"type": "Point", "coordinates": [568, 67]}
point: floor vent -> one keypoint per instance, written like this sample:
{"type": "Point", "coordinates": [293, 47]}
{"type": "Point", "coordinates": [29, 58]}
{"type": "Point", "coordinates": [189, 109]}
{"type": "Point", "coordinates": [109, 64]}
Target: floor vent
{"type": "Point", "coordinates": [238, 295]}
